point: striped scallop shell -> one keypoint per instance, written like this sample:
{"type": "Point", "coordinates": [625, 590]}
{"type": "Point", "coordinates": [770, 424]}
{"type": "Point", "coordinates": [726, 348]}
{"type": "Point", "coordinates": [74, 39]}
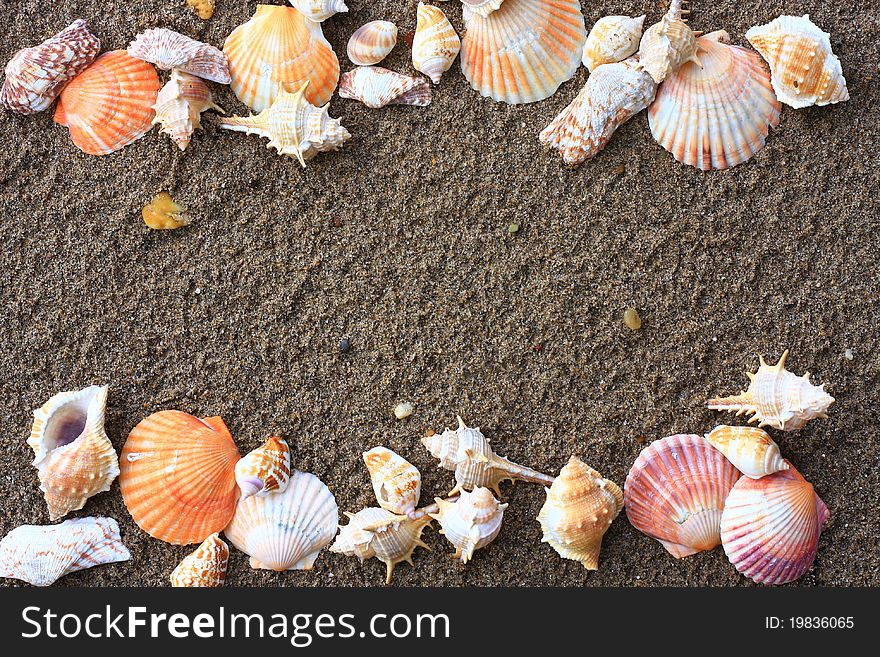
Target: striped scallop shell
{"type": "Point", "coordinates": [205, 567]}
{"type": "Point", "coordinates": [612, 39]}
{"type": "Point", "coordinates": [377, 87]}
{"type": "Point", "coordinates": [265, 470]}
{"type": "Point", "coordinates": [371, 43]}
{"type": "Point", "coordinates": [717, 114]}
{"type": "Point", "coordinates": [168, 49]}
{"type": "Point", "coordinates": [280, 50]}
{"type": "Point", "coordinates": [397, 483]}
{"type": "Point", "coordinates": [522, 52]}
{"type": "Point", "coordinates": [435, 44]}
{"type": "Point", "coordinates": [750, 449]}
{"type": "Point", "coordinates": [770, 527]}
{"type": "Point", "coordinates": [178, 476]}
{"type": "Point", "coordinates": [286, 530]}
{"type": "Point", "coordinates": [482, 7]}
{"type": "Point", "coordinates": [471, 522]}
{"type": "Point", "coordinates": [180, 104]}
{"type": "Point", "coordinates": [319, 10]}
{"type": "Point", "coordinates": [110, 104]}
{"type": "Point", "coordinates": [675, 492]}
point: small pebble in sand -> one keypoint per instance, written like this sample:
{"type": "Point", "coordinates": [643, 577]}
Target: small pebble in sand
{"type": "Point", "coordinates": [513, 229]}
{"type": "Point", "coordinates": [631, 319]}
{"type": "Point", "coordinates": [848, 354]}
{"type": "Point", "coordinates": [402, 410]}
{"type": "Point", "coordinates": [204, 9]}
{"type": "Point", "coordinates": [162, 213]}
{"type": "Point", "coordinates": [344, 345]}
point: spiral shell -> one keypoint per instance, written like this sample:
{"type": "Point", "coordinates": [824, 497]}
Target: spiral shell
{"type": "Point", "coordinates": [397, 483]}
{"type": "Point", "coordinates": [377, 87]}
{"type": "Point", "coordinates": [180, 104]}
{"type": "Point", "coordinates": [168, 49]}
{"type": "Point", "coordinates": [471, 522]}
{"type": "Point", "coordinates": [265, 470]}
{"type": "Point", "coordinates": [482, 7]}
{"type": "Point", "coordinates": [667, 45]}
{"type": "Point", "coordinates": [319, 10]}
{"type": "Point", "coordinates": [612, 39]}
{"type": "Point", "coordinates": [371, 43]}
{"type": "Point", "coordinates": [435, 44]}
{"type": "Point", "coordinates": [750, 449]}
{"type": "Point", "coordinates": [205, 567]}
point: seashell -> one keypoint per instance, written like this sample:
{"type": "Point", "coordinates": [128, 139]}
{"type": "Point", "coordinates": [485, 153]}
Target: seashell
{"type": "Point", "coordinates": [265, 470]}
{"type": "Point", "coordinates": [35, 76]}
{"type": "Point", "coordinates": [110, 104]}
{"type": "Point", "coordinates": [74, 457]}
{"type": "Point", "coordinates": [178, 476]}
{"type": "Point", "coordinates": [397, 483]}
{"type": "Point", "coordinates": [319, 10]}
{"type": "Point", "coordinates": [675, 492]}
{"type": "Point", "coordinates": [803, 69]}
{"type": "Point", "coordinates": [279, 50]}
{"type": "Point", "coordinates": [381, 534]}
{"type": "Point", "coordinates": [180, 104]}
{"type": "Point", "coordinates": [613, 94]}
{"type": "Point", "coordinates": [168, 49]}
{"type": "Point", "coordinates": [524, 50]}
{"type": "Point", "coordinates": [293, 126]}
{"type": "Point", "coordinates": [777, 398]}
{"type": "Point", "coordinates": [40, 555]}
{"type": "Point", "coordinates": [667, 45]}
{"type": "Point", "coordinates": [204, 9]}
{"type": "Point", "coordinates": [612, 39]}
{"type": "Point", "coordinates": [770, 527]}
{"type": "Point", "coordinates": [286, 530]}
{"type": "Point", "coordinates": [482, 7]}
{"type": "Point", "coordinates": [205, 567]}
{"type": "Point", "coordinates": [466, 452]}
{"type": "Point", "coordinates": [376, 87]}
{"type": "Point", "coordinates": [435, 44]}
{"type": "Point", "coordinates": [163, 213]}
{"type": "Point", "coordinates": [471, 522]}
{"type": "Point", "coordinates": [371, 43]}
{"type": "Point", "coordinates": [718, 114]}
{"type": "Point", "coordinates": [580, 507]}
{"type": "Point", "coordinates": [750, 449]}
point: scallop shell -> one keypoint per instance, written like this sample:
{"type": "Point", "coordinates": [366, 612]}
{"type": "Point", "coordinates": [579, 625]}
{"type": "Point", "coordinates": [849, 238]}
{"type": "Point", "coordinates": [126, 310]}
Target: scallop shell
{"type": "Point", "coordinates": [397, 483]}
{"type": "Point", "coordinates": [804, 70]}
{"type": "Point", "coordinates": [74, 457]}
{"type": "Point", "coordinates": [377, 87]}
{"type": "Point", "coordinates": [580, 507]}
{"type": "Point", "coordinates": [180, 104]}
{"type": "Point", "coordinates": [110, 104]}
{"type": "Point", "coordinates": [667, 45]}
{"type": "Point", "coordinates": [675, 492]}
{"type": "Point", "coordinates": [265, 470]}
{"type": "Point", "coordinates": [40, 555]}
{"type": "Point", "coordinates": [435, 44]}
{"type": "Point", "coordinates": [777, 398]}
{"type": "Point", "coordinates": [168, 49]}
{"type": "Point", "coordinates": [718, 114]}
{"type": "Point", "coordinates": [178, 476]}
{"type": "Point", "coordinates": [164, 213]}
{"type": "Point", "coordinates": [613, 94]}
{"type": "Point", "coordinates": [770, 527]}
{"type": "Point", "coordinates": [286, 530]}
{"type": "Point", "coordinates": [204, 9]}
{"type": "Point", "coordinates": [319, 10]}
{"type": "Point", "coordinates": [482, 7]}
{"type": "Point", "coordinates": [371, 43]}
{"type": "Point", "coordinates": [35, 76]}
{"type": "Point", "coordinates": [522, 52]}
{"type": "Point", "coordinates": [205, 567]}
{"type": "Point", "coordinates": [750, 449]}
{"type": "Point", "coordinates": [471, 522]}
{"type": "Point", "coordinates": [612, 39]}
{"type": "Point", "coordinates": [280, 50]}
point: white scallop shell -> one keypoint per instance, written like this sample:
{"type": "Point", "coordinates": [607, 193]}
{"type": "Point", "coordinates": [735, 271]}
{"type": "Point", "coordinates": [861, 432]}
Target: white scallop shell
{"type": "Point", "coordinates": [169, 49]}
{"type": "Point", "coordinates": [612, 39]}
{"type": "Point", "coordinates": [471, 522]}
{"type": "Point", "coordinates": [372, 42]}
{"type": "Point", "coordinates": [377, 87]}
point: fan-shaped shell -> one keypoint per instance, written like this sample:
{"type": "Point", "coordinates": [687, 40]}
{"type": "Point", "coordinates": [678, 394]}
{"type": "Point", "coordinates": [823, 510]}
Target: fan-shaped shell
{"type": "Point", "coordinates": [286, 530]}
{"type": "Point", "coordinates": [168, 49]}
{"type": "Point", "coordinates": [377, 87]}
{"type": "Point", "coordinates": [319, 10]}
{"type": "Point", "coordinates": [435, 44]}
{"type": "Point", "coordinates": [667, 45]}
{"type": "Point", "coordinates": [612, 39]}
{"type": "Point", "coordinates": [278, 50]}
{"type": "Point", "coordinates": [205, 567]}
{"type": "Point", "coordinates": [265, 470]}
{"type": "Point", "coordinates": [372, 42]}
{"type": "Point", "coordinates": [471, 522]}
{"type": "Point", "coordinates": [178, 476]}
{"type": "Point", "coordinates": [675, 492]}
{"type": "Point", "coordinates": [397, 483]}
{"type": "Point", "coordinates": [180, 104]}
{"type": "Point", "coordinates": [750, 449]}
{"type": "Point", "coordinates": [482, 7]}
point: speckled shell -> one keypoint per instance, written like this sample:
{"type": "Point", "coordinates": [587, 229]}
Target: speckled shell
{"type": "Point", "coordinates": [675, 492]}
{"type": "Point", "coordinates": [778, 398]}
{"type": "Point", "coordinates": [265, 470]}
{"type": "Point", "coordinates": [40, 555]}
{"type": "Point", "coordinates": [397, 483]}
{"type": "Point", "coordinates": [482, 7]}
{"type": "Point", "coordinates": [435, 44]}
{"type": "Point", "coordinates": [319, 10]}
{"type": "Point", "coordinates": [804, 70]}
{"type": "Point", "coordinates": [770, 527]}
{"type": "Point", "coordinates": [180, 104]}
{"type": "Point", "coordinates": [377, 87]}
{"type": "Point", "coordinates": [750, 449]}
{"type": "Point", "coordinates": [612, 39]}
{"type": "Point", "coordinates": [168, 49]}
{"type": "Point", "coordinates": [204, 9]}
{"type": "Point", "coordinates": [471, 522]}
{"type": "Point", "coordinates": [371, 43]}
{"type": "Point", "coordinates": [667, 45]}
{"type": "Point", "coordinates": [35, 76]}
{"type": "Point", "coordinates": [206, 567]}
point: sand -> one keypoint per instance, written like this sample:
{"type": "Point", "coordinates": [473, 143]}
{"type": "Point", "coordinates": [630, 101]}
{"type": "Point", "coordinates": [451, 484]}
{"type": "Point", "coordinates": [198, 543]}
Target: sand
{"type": "Point", "coordinates": [400, 244]}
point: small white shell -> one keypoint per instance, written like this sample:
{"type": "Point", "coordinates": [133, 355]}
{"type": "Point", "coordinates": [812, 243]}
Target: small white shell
{"type": "Point", "coordinates": [371, 43]}
{"type": "Point", "coordinates": [612, 39]}
{"type": "Point", "coordinates": [180, 104]}
{"type": "Point", "coordinates": [750, 449]}
{"type": "Point", "coordinates": [482, 7]}
{"type": "Point", "coordinates": [435, 44]}
{"type": "Point", "coordinates": [397, 483]}
{"type": "Point", "coordinates": [320, 10]}
{"type": "Point", "coordinates": [667, 45]}
{"type": "Point", "coordinates": [377, 87]}
{"type": "Point", "coordinates": [265, 470]}
{"type": "Point", "coordinates": [471, 522]}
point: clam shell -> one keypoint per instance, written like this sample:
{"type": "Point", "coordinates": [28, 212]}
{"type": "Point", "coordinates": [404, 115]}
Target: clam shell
{"type": "Point", "coordinates": [180, 104]}
{"type": "Point", "coordinates": [397, 483]}
{"type": "Point", "coordinates": [667, 45]}
{"type": "Point", "coordinates": [377, 87]}
{"type": "Point", "coordinates": [471, 522]}
{"type": "Point", "coordinates": [178, 476]}
{"type": "Point", "coordinates": [168, 49]}
{"type": "Point", "coordinates": [675, 492]}
{"type": "Point", "coordinates": [435, 44]}
{"type": "Point", "coordinates": [265, 470]}
{"type": "Point", "coordinates": [750, 449]}
{"type": "Point", "coordinates": [205, 567]}
{"type": "Point", "coordinates": [319, 10]}
{"type": "Point", "coordinates": [482, 7]}
{"type": "Point", "coordinates": [371, 43]}
{"type": "Point", "coordinates": [612, 39]}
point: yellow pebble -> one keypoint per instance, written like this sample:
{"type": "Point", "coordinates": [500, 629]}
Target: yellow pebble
{"type": "Point", "coordinates": [631, 319]}
{"type": "Point", "coordinates": [162, 213]}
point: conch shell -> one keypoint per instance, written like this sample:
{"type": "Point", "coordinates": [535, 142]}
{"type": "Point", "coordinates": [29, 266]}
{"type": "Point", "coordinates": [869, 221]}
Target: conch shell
{"type": "Point", "coordinates": [372, 42]}
{"type": "Point", "coordinates": [377, 87]}
{"type": "Point", "coordinates": [397, 483]}
{"type": "Point", "coordinates": [265, 470]}
{"type": "Point", "coordinates": [750, 449]}
{"type": "Point", "coordinates": [612, 39]}
{"type": "Point", "coordinates": [205, 567]}
{"type": "Point", "coordinates": [666, 45]}
{"type": "Point", "coordinates": [180, 104]}
{"type": "Point", "coordinates": [435, 44]}
{"type": "Point", "coordinates": [168, 49]}
{"type": "Point", "coordinates": [319, 10]}
{"type": "Point", "coordinates": [471, 522]}
{"type": "Point", "coordinates": [482, 7]}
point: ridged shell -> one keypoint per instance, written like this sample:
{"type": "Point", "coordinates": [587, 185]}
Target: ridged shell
{"type": "Point", "coordinates": [770, 527]}
{"type": "Point", "coordinates": [471, 522]}
{"type": "Point", "coordinates": [35, 76]}
{"type": "Point", "coordinates": [482, 7]}
{"type": "Point", "coordinates": [180, 104]}
{"type": "Point", "coordinates": [371, 43]}
{"type": "Point", "coordinates": [718, 114]}
{"type": "Point", "coordinates": [168, 49]}
{"type": "Point", "coordinates": [178, 476]}
{"type": "Point", "coordinates": [777, 398]}
{"type": "Point", "coordinates": [612, 39]}
{"type": "Point", "coordinates": [613, 94]}
{"type": "Point", "coordinates": [675, 492]}
{"type": "Point", "coordinates": [280, 50]}
{"type": "Point", "coordinates": [667, 45]}
{"type": "Point", "coordinates": [319, 10]}
{"type": "Point", "coordinates": [750, 449]}
{"type": "Point", "coordinates": [204, 9]}
{"type": "Point", "coordinates": [40, 555]}
{"type": "Point", "coordinates": [377, 87]}
{"type": "Point", "coordinates": [580, 507]}
{"type": "Point", "coordinates": [205, 567]}
{"type": "Point", "coordinates": [804, 70]}
{"type": "Point", "coordinates": [286, 530]}
{"type": "Point", "coordinates": [435, 44]}
{"type": "Point", "coordinates": [265, 470]}
{"type": "Point", "coordinates": [110, 104]}
{"type": "Point", "coordinates": [522, 52]}
{"type": "Point", "coordinates": [397, 483]}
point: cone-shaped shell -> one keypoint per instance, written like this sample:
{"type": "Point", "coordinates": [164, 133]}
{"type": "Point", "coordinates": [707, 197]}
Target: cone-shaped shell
{"type": "Point", "coordinates": [471, 522]}
{"type": "Point", "coordinates": [770, 526]}
{"type": "Point", "coordinates": [675, 492]}
{"type": "Point", "coordinates": [522, 52]}
{"type": "Point", "coordinates": [371, 43]}
{"type": "Point", "coordinates": [667, 45]}
{"type": "Point", "coordinates": [804, 70]}
{"type": "Point", "coordinates": [205, 567]}
{"type": "Point", "coordinates": [320, 10]}
{"type": "Point", "coordinates": [750, 449]}
{"type": "Point", "coordinates": [435, 44]}
{"type": "Point", "coordinates": [580, 507]}
{"type": "Point", "coordinates": [377, 87]}
{"type": "Point", "coordinates": [397, 483]}
{"type": "Point", "coordinates": [40, 555]}
{"type": "Point", "coordinates": [35, 76]}
{"type": "Point", "coordinates": [265, 470]}
{"type": "Point", "coordinates": [286, 530]}
{"type": "Point", "coordinates": [180, 104]}
{"type": "Point", "coordinates": [280, 50]}
{"type": "Point", "coordinates": [482, 7]}
{"type": "Point", "coordinates": [178, 476]}
{"type": "Point", "coordinates": [612, 39]}
{"type": "Point", "coordinates": [168, 49]}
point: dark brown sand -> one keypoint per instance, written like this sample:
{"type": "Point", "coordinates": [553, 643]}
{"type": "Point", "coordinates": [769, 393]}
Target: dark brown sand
{"type": "Point", "coordinates": [400, 243]}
